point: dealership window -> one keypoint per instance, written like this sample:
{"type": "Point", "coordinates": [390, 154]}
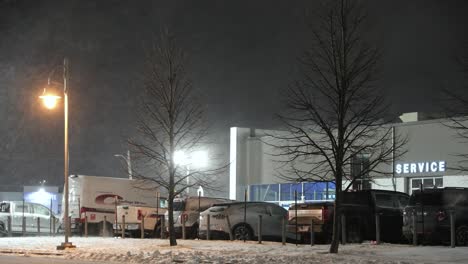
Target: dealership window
{"type": "Point", "coordinates": [284, 192]}
{"type": "Point", "coordinates": [360, 171]}
{"type": "Point", "coordinates": [264, 192]}
{"type": "Point", "coordinates": [314, 191]}
{"type": "Point", "coordinates": [287, 191]}
{"type": "Point", "coordinates": [426, 183]}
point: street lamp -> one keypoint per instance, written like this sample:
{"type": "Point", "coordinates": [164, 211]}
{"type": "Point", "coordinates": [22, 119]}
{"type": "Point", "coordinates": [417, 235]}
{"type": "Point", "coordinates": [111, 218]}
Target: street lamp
{"type": "Point", "coordinates": [196, 158]}
{"type": "Point", "coordinates": [50, 101]}
{"type": "Point", "coordinates": [129, 163]}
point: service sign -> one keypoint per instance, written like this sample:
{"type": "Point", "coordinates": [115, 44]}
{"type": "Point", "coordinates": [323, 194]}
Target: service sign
{"type": "Point", "coordinates": [420, 167]}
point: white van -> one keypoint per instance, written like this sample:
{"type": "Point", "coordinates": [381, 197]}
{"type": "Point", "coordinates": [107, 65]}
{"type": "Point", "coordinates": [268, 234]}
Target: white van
{"type": "Point", "coordinates": [94, 197]}
{"type": "Point", "coordinates": [189, 208]}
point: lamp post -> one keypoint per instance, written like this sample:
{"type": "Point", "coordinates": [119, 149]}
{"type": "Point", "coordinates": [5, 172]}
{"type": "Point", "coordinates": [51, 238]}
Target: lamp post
{"type": "Point", "coordinates": [129, 163]}
{"type": "Point", "coordinates": [196, 158]}
{"type": "Point", "coordinates": [50, 101]}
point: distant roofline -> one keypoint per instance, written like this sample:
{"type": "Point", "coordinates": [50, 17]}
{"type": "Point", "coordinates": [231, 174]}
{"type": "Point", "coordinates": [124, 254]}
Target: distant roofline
{"type": "Point", "coordinates": [428, 121]}
{"type": "Point", "coordinates": [395, 124]}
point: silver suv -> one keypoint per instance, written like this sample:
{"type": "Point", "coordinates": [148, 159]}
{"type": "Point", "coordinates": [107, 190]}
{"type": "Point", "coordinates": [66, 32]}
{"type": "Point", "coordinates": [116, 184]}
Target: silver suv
{"type": "Point", "coordinates": [272, 218]}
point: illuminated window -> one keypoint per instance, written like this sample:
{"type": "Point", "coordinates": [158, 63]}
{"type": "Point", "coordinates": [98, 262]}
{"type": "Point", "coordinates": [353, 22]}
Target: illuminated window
{"type": "Point", "coordinates": [426, 183]}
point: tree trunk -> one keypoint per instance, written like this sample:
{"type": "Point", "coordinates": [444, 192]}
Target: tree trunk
{"type": "Point", "coordinates": [172, 237]}
{"type": "Point", "coordinates": [336, 215]}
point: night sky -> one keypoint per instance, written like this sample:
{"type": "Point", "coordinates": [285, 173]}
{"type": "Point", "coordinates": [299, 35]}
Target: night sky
{"type": "Point", "coordinates": [243, 54]}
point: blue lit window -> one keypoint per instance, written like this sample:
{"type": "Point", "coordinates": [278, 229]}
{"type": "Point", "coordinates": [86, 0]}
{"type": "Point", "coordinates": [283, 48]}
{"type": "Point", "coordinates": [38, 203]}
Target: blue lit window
{"type": "Point", "coordinates": [287, 191]}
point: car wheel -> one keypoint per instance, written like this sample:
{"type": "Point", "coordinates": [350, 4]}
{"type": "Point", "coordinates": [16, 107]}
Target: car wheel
{"type": "Point", "coordinates": [242, 232]}
{"type": "Point", "coordinates": [461, 236]}
{"type": "Point", "coordinates": [157, 231]}
{"type": "Point", "coordinates": [194, 231]}
{"type": "Point", "coordinates": [3, 231]}
{"type": "Point", "coordinates": [354, 233]}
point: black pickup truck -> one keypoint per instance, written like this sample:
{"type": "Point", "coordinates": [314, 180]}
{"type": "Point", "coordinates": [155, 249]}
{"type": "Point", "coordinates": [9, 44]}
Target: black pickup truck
{"type": "Point", "coordinates": [359, 208]}
{"type": "Point", "coordinates": [432, 208]}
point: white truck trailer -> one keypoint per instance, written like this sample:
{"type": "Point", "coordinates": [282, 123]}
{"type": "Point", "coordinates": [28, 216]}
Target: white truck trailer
{"type": "Point", "coordinates": [96, 197]}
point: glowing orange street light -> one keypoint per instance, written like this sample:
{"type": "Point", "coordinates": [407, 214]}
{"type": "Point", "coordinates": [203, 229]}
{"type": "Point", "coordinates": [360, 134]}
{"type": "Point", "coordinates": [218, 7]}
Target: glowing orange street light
{"type": "Point", "coordinates": [50, 101]}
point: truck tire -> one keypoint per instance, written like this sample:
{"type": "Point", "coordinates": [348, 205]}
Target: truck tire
{"type": "Point", "coordinates": [242, 231]}
{"type": "Point", "coordinates": [135, 234]}
{"type": "Point", "coordinates": [156, 231]}
{"type": "Point", "coordinates": [3, 231]}
{"type": "Point", "coordinates": [461, 236]}
{"type": "Point", "coordinates": [193, 231]}
{"type": "Point", "coordinates": [354, 233]}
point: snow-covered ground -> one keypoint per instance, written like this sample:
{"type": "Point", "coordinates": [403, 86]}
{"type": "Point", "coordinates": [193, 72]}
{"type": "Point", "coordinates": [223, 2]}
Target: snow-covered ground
{"type": "Point", "coordinates": [201, 251]}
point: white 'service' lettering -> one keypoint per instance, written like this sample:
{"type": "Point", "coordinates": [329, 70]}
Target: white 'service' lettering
{"type": "Point", "coordinates": [420, 167]}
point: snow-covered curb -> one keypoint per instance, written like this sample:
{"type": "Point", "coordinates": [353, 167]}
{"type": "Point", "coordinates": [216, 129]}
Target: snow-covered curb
{"type": "Point", "coordinates": [200, 251]}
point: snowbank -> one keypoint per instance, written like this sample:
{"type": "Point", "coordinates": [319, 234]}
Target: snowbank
{"type": "Point", "coordinates": [201, 251]}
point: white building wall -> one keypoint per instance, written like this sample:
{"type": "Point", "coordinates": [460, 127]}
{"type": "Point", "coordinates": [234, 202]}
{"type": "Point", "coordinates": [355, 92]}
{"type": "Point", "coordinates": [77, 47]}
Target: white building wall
{"type": "Point", "coordinates": [456, 181]}
{"type": "Point", "coordinates": [233, 163]}
{"type": "Point", "coordinates": [388, 184]}
{"type": "Point", "coordinates": [252, 161]}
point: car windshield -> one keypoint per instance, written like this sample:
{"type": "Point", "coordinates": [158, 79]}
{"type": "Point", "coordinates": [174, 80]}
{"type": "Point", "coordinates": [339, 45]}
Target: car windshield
{"type": "Point", "coordinates": [403, 201]}
{"type": "Point", "coordinates": [179, 206]}
{"type": "Point", "coordinates": [384, 200]}
{"type": "Point", "coordinates": [355, 198]}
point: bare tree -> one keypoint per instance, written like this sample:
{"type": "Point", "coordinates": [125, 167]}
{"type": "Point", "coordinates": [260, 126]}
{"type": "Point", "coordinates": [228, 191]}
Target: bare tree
{"type": "Point", "coordinates": [171, 119]}
{"type": "Point", "coordinates": [334, 115]}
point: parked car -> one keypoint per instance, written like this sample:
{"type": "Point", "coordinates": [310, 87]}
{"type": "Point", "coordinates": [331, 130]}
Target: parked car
{"type": "Point", "coordinates": [320, 212]}
{"type": "Point", "coordinates": [33, 214]}
{"type": "Point", "coordinates": [359, 208]}
{"type": "Point", "coordinates": [432, 210]}
{"type": "Point", "coordinates": [189, 208]}
{"type": "Point", "coordinates": [272, 217]}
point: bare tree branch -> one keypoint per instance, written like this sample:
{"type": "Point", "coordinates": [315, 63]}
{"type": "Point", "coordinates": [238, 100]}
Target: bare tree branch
{"type": "Point", "coordinates": [456, 108]}
{"type": "Point", "coordinates": [335, 113]}
{"type": "Point", "coordinates": [171, 119]}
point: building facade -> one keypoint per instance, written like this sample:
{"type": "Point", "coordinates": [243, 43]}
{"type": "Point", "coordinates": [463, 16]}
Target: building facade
{"type": "Point", "coordinates": [432, 154]}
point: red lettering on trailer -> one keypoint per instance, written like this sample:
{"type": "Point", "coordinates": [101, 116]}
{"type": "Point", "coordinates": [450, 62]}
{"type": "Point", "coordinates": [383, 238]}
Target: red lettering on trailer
{"type": "Point", "coordinates": [93, 216]}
